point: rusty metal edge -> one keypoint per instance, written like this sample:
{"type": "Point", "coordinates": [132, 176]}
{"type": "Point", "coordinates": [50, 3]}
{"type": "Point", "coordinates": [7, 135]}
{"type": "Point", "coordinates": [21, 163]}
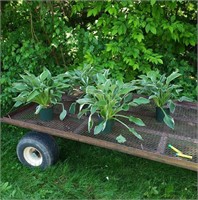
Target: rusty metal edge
{"type": "Point", "coordinates": [20, 109]}
{"type": "Point", "coordinates": [105, 144]}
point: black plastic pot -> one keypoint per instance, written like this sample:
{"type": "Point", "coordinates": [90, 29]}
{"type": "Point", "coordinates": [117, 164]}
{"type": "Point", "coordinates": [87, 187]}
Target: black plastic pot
{"type": "Point", "coordinates": [109, 125]}
{"type": "Point", "coordinates": [46, 114]}
{"type": "Point", "coordinates": [160, 114]}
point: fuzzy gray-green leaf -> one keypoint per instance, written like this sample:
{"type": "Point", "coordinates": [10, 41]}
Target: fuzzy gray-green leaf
{"type": "Point", "coordinates": [90, 123]}
{"type": "Point", "coordinates": [132, 130]}
{"type": "Point", "coordinates": [20, 86]}
{"type": "Point", "coordinates": [183, 98]}
{"type": "Point", "coordinates": [72, 108]}
{"type": "Point", "coordinates": [128, 98]}
{"type": "Point", "coordinates": [136, 120]}
{"type": "Point", "coordinates": [38, 109]}
{"type": "Point", "coordinates": [45, 74]}
{"type": "Point", "coordinates": [63, 114]}
{"type": "Point", "coordinates": [141, 100]}
{"type": "Point", "coordinates": [171, 106]}
{"type": "Point", "coordinates": [32, 95]}
{"type": "Point", "coordinates": [173, 76]}
{"type": "Point", "coordinates": [121, 139]}
{"type": "Point", "coordinates": [169, 121]}
{"type": "Point", "coordinates": [99, 128]}
{"type": "Point", "coordinates": [18, 103]}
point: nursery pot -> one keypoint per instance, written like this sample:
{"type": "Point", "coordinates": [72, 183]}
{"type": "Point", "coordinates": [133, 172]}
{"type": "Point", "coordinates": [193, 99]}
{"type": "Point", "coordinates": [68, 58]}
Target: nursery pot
{"type": "Point", "coordinates": [109, 125]}
{"type": "Point", "coordinates": [160, 114]}
{"type": "Point", "coordinates": [46, 114]}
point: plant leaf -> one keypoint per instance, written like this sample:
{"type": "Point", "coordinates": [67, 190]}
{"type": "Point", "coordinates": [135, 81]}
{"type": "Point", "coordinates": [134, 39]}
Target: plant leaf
{"type": "Point", "coordinates": [125, 107]}
{"type": "Point", "coordinates": [128, 98]}
{"type": "Point", "coordinates": [152, 75]}
{"type": "Point", "coordinates": [99, 128]}
{"type": "Point", "coordinates": [93, 109]}
{"type": "Point", "coordinates": [171, 106]}
{"type": "Point", "coordinates": [141, 100]}
{"type": "Point", "coordinates": [125, 90]}
{"type": "Point", "coordinates": [133, 104]}
{"type": "Point", "coordinates": [72, 108]}
{"type": "Point", "coordinates": [21, 97]}
{"type": "Point", "coordinates": [32, 95]}
{"type": "Point", "coordinates": [183, 98]}
{"type": "Point", "coordinates": [90, 123]}
{"type": "Point", "coordinates": [17, 104]}
{"type": "Point", "coordinates": [84, 101]}
{"type": "Point", "coordinates": [152, 97]}
{"type": "Point", "coordinates": [132, 130]}
{"type": "Point", "coordinates": [90, 90]}
{"type": "Point", "coordinates": [173, 76]}
{"type": "Point", "coordinates": [20, 86]}
{"type": "Point", "coordinates": [169, 121]}
{"type": "Point", "coordinates": [101, 78]}
{"type": "Point", "coordinates": [136, 120]}
{"type": "Point", "coordinates": [153, 2]}
{"type": "Point", "coordinates": [82, 112]}
{"type": "Point", "coordinates": [63, 114]}
{"type": "Point", "coordinates": [121, 139]}
{"type": "Point", "coordinates": [45, 74]}
{"type": "Point", "coordinates": [38, 109]}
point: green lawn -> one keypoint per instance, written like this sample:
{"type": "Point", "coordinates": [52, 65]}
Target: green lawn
{"type": "Point", "coordinates": [88, 172]}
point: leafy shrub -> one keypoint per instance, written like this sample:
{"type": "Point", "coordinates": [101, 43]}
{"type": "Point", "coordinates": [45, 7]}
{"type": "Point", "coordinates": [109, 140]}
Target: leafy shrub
{"type": "Point", "coordinates": [132, 38]}
{"type": "Point", "coordinates": [128, 37]}
{"type": "Point", "coordinates": [35, 35]}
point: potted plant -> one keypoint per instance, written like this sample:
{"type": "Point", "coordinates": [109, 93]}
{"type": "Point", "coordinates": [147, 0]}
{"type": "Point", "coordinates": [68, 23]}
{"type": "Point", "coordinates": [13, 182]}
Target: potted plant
{"type": "Point", "coordinates": [107, 99]}
{"type": "Point", "coordinates": [162, 91]}
{"type": "Point", "coordinates": [79, 79]}
{"type": "Point", "coordinates": [45, 90]}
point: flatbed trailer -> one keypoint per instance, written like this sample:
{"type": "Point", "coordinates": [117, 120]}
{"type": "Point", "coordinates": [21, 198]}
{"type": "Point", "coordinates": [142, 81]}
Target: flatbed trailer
{"type": "Point", "coordinates": [154, 146]}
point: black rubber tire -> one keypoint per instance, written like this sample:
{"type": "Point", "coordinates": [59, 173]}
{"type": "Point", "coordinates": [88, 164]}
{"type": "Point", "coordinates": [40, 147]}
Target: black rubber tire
{"type": "Point", "coordinates": [44, 144]}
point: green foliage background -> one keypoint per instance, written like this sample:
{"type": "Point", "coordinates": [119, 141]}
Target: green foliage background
{"type": "Point", "coordinates": [128, 37]}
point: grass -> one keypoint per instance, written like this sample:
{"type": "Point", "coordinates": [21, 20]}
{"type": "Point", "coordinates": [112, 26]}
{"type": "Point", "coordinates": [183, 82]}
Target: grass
{"type": "Point", "coordinates": [88, 172]}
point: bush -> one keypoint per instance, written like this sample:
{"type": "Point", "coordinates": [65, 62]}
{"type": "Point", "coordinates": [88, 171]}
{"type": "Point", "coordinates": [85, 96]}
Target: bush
{"type": "Point", "coordinates": [129, 38]}
{"type": "Point", "coordinates": [133, 37]}
{"type": "Point", "coordinates": [35, 35]}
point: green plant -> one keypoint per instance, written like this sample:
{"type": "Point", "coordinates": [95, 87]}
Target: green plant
{"type": "Point", "coordinates": [132, 27]}
{"type": "Point", "coordinates": [45, 90]}
{"type": "Point", "coordinates": [108, 98]}
{"type": "Point", "coordinates": [161, 89]}
{"type": "Point", "coordinates": [65, 35]}
{"type": "Point", "coordinates": [79, 79]}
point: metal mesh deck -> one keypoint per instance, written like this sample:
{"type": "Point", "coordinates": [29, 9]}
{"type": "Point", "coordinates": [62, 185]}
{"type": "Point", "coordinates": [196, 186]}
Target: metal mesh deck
{"type": "Point", "coordinates": [156, 136]}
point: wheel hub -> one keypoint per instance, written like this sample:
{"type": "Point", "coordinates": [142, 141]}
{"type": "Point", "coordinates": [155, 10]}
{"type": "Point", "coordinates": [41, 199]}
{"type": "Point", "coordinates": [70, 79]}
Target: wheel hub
{"type": "Point", "coordinates": [33, 156]}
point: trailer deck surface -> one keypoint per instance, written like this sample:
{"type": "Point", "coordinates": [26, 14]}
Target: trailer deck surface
{"type": "Point", "coordinates": [156, 136]}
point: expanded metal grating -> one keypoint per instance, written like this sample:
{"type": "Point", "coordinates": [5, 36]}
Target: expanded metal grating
{"type": "Point", "coordinates": [156, 136]}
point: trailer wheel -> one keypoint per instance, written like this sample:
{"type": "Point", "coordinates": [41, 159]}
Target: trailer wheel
{"type": "Point", "coordinates": [37, 150]}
